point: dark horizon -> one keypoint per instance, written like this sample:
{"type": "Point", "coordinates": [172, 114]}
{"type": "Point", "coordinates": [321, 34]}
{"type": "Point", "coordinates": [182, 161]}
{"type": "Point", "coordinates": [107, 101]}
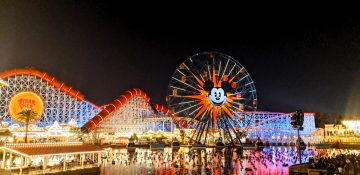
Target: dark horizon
{"type": "Point", "coordinates": [310, 63]}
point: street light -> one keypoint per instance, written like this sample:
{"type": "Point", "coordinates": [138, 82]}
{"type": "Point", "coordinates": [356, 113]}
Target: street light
{"type": "Point", "coordinates": [297, 121]}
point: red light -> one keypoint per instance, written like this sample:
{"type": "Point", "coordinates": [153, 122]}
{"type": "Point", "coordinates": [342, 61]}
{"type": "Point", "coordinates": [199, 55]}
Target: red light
{"type": "Point", "coordinates": [233, 85]}
{"type": "Point", "coordinates": [93, 123]}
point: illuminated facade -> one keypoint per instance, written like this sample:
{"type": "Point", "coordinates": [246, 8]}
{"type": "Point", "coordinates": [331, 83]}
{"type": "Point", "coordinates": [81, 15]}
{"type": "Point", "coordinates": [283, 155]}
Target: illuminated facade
{"type": "Point", "coordinates": [353, 126]}
{"type": "Point", "coordinates": [349, 131]}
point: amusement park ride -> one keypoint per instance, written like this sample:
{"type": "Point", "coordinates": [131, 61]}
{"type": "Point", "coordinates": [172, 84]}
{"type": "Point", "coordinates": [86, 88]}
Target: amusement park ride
{"type": "Point", "coordinates": [210, 95]}
{"type": "Point", "coordinates": [211, 98]}
{"type": "Point", "coordinates": [211, 89]}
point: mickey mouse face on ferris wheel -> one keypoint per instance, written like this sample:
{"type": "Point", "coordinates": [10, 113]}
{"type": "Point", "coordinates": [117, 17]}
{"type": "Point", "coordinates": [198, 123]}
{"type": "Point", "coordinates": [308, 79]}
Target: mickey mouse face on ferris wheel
{"type": "Point", "coordinates": [217, 95]}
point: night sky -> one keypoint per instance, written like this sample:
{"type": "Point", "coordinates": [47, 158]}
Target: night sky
{"type": "Point", "coordinates": [307, 62]}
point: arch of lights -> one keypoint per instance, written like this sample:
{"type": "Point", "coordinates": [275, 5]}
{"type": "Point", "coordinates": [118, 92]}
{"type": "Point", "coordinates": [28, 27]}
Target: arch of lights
{"type": "Point", "coordinates": [136, 116]}
{"type": "Point", "coordinates": [62, 103]}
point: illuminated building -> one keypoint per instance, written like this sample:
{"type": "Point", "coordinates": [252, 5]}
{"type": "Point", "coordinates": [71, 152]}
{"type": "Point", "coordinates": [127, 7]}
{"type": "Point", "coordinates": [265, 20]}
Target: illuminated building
{"type": "Point", "coordinates": [57, 156]}
{"type": "Point", "coordinates": [349, 131]}
{"type": "Point", "coordinates": [353, 126]}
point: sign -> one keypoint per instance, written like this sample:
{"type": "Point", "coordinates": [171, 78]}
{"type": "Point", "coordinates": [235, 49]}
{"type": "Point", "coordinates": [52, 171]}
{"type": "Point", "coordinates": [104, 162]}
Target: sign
{"type": "Point", "coordinates": [26, 100]}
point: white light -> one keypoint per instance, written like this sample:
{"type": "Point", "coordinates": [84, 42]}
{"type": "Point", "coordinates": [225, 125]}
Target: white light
{"type": "Point", "coordinates": [3, 83]}
{"type": "Point", "coordinates": [351, 123]}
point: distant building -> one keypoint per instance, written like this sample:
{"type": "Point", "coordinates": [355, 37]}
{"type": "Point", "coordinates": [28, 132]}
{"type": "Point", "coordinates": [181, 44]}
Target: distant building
{"type": "Point", "coordinates": [349, 131]}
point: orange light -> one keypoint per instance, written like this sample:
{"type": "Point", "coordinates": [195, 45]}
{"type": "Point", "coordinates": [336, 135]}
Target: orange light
{"type": "Point", "coordinates": [26, 100]}
{"type": "Point", "coordinates": [226, 78]}
{"type": "Point", "coordinates": [107, 111]}
{"type": "Point", "coordinates": [233, 85]}
{"type": "Point", "coordinates": [93, 123]}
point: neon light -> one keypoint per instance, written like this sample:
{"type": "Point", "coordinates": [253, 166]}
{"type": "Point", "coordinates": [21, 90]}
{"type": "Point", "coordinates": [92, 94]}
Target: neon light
{"type": "Point", "coordinates": [119, 102]}
{"type": "Point", "coordinates": [113, 106]}
{"type": "Point", "coordinates": [40, 145]}
{"type": "Point", "coordinates": [43, 75]}
{"type": "Point", "coordinates": [130, 93]}
{"type": "Point", "coordinates": [107, 111]}
{"type": "Point", "coordinates": [100, 116]}
{"type": "Point", "coordinates": [124, 97]}
{"type": "Point", "coordinates": [183, 83]}
{"type": "Point", "coordinates": [93, 123]}
{"type": "Point", "coordinates": [195, 110]}
{"type": "Point", "coordinates": [224, 69]}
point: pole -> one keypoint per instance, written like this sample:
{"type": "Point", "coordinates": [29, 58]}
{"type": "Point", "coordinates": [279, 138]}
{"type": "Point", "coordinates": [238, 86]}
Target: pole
{"type": "Point", "coordinates": [4, 158]}
{"type": "Point", "coordinates": [171, 135]}
{"type": "Point", "coordinates": [299, 153]}
{"type": "Point", "coordinates": [171, 142]}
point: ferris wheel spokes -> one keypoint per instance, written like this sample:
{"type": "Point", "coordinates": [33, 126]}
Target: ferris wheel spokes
{"type": "Point", "coordinates": [211, 88]}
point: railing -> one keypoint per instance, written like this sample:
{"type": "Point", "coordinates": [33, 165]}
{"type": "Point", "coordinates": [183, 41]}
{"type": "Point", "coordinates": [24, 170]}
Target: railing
{"type": "Point", "coordinates": [43, 144]}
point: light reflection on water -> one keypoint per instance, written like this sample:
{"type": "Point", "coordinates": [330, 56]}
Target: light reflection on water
{"type": "Point", "coordinates": [272, 160]}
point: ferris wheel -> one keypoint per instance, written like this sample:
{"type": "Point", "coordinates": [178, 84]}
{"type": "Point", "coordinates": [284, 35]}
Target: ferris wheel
{"type": "Point", "coordinates": [212, 90]}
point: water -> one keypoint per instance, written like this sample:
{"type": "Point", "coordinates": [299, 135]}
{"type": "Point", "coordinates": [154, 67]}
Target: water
{"type": "Point", "coordinates": [272, 160]}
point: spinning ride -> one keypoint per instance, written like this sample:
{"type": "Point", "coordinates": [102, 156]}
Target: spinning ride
{"type": "Point", "coordinates": [212, 88]}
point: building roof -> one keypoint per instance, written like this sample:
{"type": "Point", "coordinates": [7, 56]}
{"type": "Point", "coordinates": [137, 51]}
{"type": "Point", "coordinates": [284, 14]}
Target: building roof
{"type": "Point", "coordinates": [43, 149]}
{"type": "Point", "coordinates": [5, 133]}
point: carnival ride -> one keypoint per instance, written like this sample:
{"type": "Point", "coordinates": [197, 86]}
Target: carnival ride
{"type": "Point", "coordinates": [132, 112]}
{"type": "Point", "coordinates": [62, 103]}
{"type": "Point", "coordinates": [211, 88]}
{"type": "Point", "coordinates": [191, 106]}
{"type": "Point", "coordinates": [275, 126]}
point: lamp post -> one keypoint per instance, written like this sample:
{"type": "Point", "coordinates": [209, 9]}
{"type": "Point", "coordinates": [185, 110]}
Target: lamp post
{"type": "Point", "coordinates": [297, 120]}
{"type": "Point", "coordinates": [171, 150]}
{"type": "Point", "coordinates": [103, 161]}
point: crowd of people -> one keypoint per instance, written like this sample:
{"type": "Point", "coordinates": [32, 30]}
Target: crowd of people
{"type": "Point", "coordinates": [337, 161]}
{"type": "Point", "coordinates": [272, 160]}
{"type": "Point", "coordinates": [211, 160]}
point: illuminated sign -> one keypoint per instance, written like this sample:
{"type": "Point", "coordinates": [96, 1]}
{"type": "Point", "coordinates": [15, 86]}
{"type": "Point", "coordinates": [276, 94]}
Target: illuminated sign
{"type": "Point", "coordinates": [23, 101]}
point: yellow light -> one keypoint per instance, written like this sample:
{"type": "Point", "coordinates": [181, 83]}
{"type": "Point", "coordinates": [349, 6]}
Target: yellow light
{"type": "Point", "coordinates": [47, 144]}
{"type": "Point", "coordinates": [351, 123]}
{"type": "Point", "coordinates": [3, 83]}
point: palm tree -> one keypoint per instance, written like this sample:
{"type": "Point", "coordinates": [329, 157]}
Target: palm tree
{"type": "Point", "coordinates": [1, 119]}
{"type": "Point", "coordinates": [26, 116]}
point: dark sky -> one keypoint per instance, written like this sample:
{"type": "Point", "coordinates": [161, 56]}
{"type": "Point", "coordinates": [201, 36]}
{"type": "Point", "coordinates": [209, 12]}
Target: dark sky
{"type": "Point", "coordinates": [103, 49]}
